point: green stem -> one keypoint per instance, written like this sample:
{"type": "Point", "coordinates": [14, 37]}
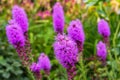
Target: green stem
{"type": "Point", "coordinates": [83, 67]}
{"type": "Point", "coordinates": [115, 35]}
{"type": "Point", "coordinates": [30, 74]}
{"type": "Point", "coordinates": [113, 74]}
{"type": "Point", "coordinates": [114, 40]}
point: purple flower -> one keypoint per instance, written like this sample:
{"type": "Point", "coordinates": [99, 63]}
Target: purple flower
{"type": "Point", "coordinates": [20, 17]}
{"type": "Point", "coordinates": [101, 51]}
{"type": "Point", "coordinates": [35, 67]}
{"type": "Point", "coordinates": [76, 32]}
{"type": "Point", "coordinates": [44, 62]}
{"type": "Point", "coordinates": [103, 28]}
{"type": "Point", "coordinates": [14, 34]}
{"type": "Point", "coordinates": [58, 18]}
{"type": "Point", "coordinates": [65, 50]}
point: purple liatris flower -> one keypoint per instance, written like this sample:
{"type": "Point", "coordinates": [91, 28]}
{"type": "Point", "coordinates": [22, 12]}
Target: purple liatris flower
{"type": "Point", "coordinates": [58, 18]}
{"type": "Point", "coordinates": [35, 67]}
{"type": "Point", "coordinates": [103, 28]}
{"type": "Point", "coordinates": [19, 15]}
{"type": "Point", "coordinates": [14, 34]}
{"type": "Point", "coordinates": [44, 63]}
{"type": "Point", "coordinates": [65, 50]}
{"type": "Point", "coordinates": [76, 32]}
{"type": "Point", "coordinates": [101, 51]}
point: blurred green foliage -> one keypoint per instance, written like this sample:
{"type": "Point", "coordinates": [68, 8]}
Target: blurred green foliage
{"type": "Point", "coordinates": [41, 35]}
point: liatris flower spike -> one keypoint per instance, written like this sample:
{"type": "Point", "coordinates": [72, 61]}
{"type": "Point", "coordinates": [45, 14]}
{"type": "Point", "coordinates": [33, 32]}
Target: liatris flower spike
{"type": "Point", "coordinates": [35, 68]}
{"type": "Point", "coordinates": [101, 51]}
{"type": "Point", "coordinates": [66, 52]}
{"type": "Point", "coordinates": [76, 32]}
{"type": "Point", "coordinates": [16, 38]}
{"type": "Point", "coordinates": [44, 63]}
{"type": "Point", "coordinates": [14, 34]}
{"type": "Point", "coordinates": [58, 18]}
{"type": "Point", "coordinates": [19, 15]}
{"type": "Point", "coordinates": [104, 30]}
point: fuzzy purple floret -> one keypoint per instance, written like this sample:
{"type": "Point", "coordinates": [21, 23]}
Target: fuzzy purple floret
{"type": "Point", "coordinates": [103, 28]}
{"type": "Point", "coordinates": [19, 15]}
{"type": "Point", "coordinates": [58, 18]}
{"type": "Point", "coordinates": [35, 67]}
{"type": "Point", "coordinates": [101, 51]}
{"type": "Point", "coordinates": [65, 50]}
{"type": "Point", "coordinates": [15, 35]}
{"type": "Point", "coordinates": [44, 62]}
{"type": "Point", "coordinates": [76, 32]}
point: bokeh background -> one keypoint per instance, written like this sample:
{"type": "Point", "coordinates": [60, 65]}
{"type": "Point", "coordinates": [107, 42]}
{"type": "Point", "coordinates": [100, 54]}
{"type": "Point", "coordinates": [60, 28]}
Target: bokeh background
{"type": "Point", "coordinates": [41, 35]}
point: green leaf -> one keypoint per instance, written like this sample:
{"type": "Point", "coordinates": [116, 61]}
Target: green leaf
{"type": "Point", "coordinates": [18, 72]}
{"type": "Point", "coordinates": [17, 64]}
{"type": "Point", "coordinates": [2, 71]}
{"type": "Point", "coordinates": [6, 75]}
{"type": "Point", "coordinates": [31, 38]}
{"type": "Point", "coordinates": [90, 2]}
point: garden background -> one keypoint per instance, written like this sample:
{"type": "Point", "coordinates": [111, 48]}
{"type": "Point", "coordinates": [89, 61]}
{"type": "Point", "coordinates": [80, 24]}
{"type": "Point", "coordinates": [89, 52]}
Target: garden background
{"type": "Point", "coordinates": [41, 35]}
